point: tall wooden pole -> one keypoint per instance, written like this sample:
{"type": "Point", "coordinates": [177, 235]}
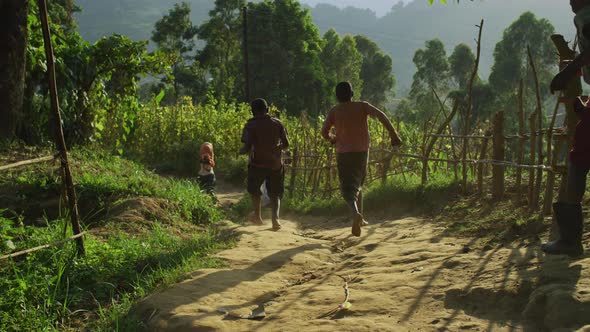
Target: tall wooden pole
{"type": "Point", "coordinates": [246, 59]}
{"type": "Point", "coordinates": [469, 105]}
{"type": "Point", "coordinates": [539, 126]}
{"type": "Point", "coordinates": [499, 154]}
{"type": "Point", "coordinates": [60, 141]}
{"type": "Point", "coordinates": [521, 141]}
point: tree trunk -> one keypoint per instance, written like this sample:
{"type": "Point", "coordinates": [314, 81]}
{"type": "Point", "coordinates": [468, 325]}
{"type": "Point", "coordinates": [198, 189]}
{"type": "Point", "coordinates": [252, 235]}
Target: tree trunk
{"type": "Point", "coordinates": [13, 41]}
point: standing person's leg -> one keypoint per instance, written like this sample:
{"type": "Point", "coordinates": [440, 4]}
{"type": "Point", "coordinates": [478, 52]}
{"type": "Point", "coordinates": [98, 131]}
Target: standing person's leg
{"type": "Point", "coordinates": [255, 178]}
{"type": "Point", "coordinates": [568, 215]}
{"type": "Point", "coordinates": [275, 186]}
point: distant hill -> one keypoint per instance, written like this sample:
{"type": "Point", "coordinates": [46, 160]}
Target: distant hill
{"type": "Point", "coordinates": [400, 32]}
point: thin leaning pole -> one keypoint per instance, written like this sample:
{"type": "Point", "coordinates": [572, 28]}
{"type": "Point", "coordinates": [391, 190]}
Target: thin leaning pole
{"type": "Point", "coordinates": [59, 134]}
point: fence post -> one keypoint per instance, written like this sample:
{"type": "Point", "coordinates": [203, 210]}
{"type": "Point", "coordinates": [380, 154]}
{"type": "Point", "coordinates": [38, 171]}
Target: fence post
{"type": "Point", "coordinates": [293, 172]}
{"type": "Point", "coordinates": [533, 129]}
{"type": "Point", "coordinates": [521, 141]}
{"type": "Point", "coordinates": [464, 163]}
{"type": "Point", "coordinates": [498, 146]}
{"type": "Point", "coordinates": [547, 204]}
{"type": "Point", "coordinates": [386, 167]}
{"type": "Point", "coordinates": [480, 167]}
{"type": "Point", "coordinates": [328, 186]}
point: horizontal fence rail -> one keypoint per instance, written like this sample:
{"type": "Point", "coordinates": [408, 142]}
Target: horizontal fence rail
{"type": "Point", "coordinates": [28, 162]}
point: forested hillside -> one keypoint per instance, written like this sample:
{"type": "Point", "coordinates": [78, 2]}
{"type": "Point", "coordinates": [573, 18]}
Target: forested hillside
{"type": "Point", "coordinates": [399, 33]}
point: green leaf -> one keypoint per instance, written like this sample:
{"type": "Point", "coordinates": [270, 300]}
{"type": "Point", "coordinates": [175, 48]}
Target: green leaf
{"type": "Point", "coordinates": [160, 96]}
{"type": "Point", "coordinates": [10, 245]}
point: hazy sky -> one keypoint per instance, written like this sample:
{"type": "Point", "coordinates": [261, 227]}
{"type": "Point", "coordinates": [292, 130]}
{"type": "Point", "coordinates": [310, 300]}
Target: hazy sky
{"type": "Point", "coordinates": [381, 7]}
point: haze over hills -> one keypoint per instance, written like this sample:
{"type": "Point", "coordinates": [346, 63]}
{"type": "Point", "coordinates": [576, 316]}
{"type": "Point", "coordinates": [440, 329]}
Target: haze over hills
{"type": "Point", "coordinates": [380, 7]}
{"type": "Point", "coordinates": [400, 31]}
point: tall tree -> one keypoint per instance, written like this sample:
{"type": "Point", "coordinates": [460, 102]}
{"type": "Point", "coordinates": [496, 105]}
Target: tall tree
{"type": "Point", "coordinates": [432, 74]}
{"type": "Point", "coordinates": [13, 41]}
{"type": "Point", "coordinates": [461, 65]}
{"type": "Point", "coordinates": [376, 72]}
{"type": "Point", "coordinates": [432, 69]}
{"type": "Point", "coordinates": [285, 63]}
{"type": "Point", "coordinates": [510, 54]}
{"type": "Point", "coordinates": [222, 54]}
{"type": "Point", "coordinates": [174, 34]}
{"type": "Point", "coordinates": [341, 60]}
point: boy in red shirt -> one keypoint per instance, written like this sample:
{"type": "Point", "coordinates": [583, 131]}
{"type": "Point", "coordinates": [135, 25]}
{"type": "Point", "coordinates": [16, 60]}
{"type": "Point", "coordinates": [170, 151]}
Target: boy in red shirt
{"type": "Point", "coordinates": [264, 140]}
{"type": "Point", "coordinates": [352, 142]}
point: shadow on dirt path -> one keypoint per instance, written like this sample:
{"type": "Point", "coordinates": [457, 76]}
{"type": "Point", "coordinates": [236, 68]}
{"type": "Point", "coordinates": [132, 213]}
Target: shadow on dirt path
{"type": "Point", "coordinates": [403, 275]}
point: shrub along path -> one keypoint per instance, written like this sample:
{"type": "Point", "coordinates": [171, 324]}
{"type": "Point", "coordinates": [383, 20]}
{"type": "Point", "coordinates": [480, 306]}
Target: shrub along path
{"type": "Point", "coordinates": [402, 275]}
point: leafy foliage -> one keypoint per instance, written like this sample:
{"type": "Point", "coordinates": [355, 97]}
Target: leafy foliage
{"type": "Point", "coordinates": [175, 35]}
{"type": "Point", "coordinates": [461, 65]}
{"type": "Point", "coordinates": [341, 60]}
{"type": "Point", "coordinates": [97, 82]}
{"type": "Point", "coordinates": [376, 72]}
{"type": "Point", "coordinates": [285, 47]}
{"type": "Point", "coordinates": [222, 52]}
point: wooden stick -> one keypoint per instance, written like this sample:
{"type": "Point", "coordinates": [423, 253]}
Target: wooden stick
{"type": "Point", "coordinates": [499, 151]}
{"type": "Point", "coordinates": [552, 160]}
{"type": "Point", "coordinates": [521, 140]}
{"type": "Point", "coordinates": [60, 140]}
{"type": "Point", "coordinates": [469, 106]}
{"type": "Point", "coordinates": [480, 167]}
{"type": "Point", "coordinates": [45, 246]}
{"type": "Point", "coordinates": [531, 194]}
{"type": "Point", "coordinates": [539, 124]}
{"type": "Point", "coordinates": [27, 162]}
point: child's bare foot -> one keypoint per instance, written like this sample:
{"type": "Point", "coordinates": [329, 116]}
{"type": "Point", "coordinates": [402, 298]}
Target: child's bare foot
{"type": "Point", "coordinates": [364, 223]}
{"type": "Point", "coordinates": [255, 220]}
{"type": "Point", "coordinates": [357, 221]}
{"type": "Point", "coordinates": [276, 225]}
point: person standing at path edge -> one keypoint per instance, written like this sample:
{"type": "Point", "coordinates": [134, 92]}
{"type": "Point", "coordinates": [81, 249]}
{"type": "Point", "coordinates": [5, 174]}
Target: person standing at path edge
{"type": "Point", "coordinates": [568, 212]}
{"type": "Point", "coordinates": [352, 140]}
{"type": "Point", "coordinates": [264, 140]}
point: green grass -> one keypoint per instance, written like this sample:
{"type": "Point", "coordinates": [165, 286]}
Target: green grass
{"type": "Point", "coordinates": [53, 289]}
{"type": "Point", "coordinates": [398, 195]}
{"type": "Point", "coordinates": [102, 179]}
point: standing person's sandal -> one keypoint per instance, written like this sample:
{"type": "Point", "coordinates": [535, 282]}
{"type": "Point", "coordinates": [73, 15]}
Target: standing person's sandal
{"type": "Point", "coordinates": [357, 222]}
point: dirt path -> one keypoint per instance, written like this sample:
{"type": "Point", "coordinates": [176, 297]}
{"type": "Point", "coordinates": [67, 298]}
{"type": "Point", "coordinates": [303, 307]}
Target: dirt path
{"type": "Point", "coordinates": [404, 275]}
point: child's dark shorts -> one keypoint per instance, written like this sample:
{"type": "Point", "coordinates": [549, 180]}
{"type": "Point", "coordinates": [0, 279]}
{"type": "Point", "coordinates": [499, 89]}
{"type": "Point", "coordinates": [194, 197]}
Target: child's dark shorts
{"type": "Point", "coordinates": [207, 183]}
{"type": "Point", "coordinates": [352, 170]}
{"type": "Point", "coordinates": [275, 180]}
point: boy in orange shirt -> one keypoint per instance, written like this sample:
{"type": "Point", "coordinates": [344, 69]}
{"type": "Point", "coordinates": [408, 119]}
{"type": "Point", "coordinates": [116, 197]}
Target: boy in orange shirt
{"type": "Point", "coordinates": [352, 142]}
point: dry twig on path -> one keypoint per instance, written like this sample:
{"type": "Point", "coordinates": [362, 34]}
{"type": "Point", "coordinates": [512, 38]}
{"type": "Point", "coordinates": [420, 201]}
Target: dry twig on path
{"type": "Point", "coordinates": [345, 304]}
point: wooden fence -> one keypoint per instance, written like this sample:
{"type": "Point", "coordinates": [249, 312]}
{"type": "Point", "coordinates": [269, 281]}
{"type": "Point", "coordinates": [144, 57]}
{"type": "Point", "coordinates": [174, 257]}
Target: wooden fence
{"type": "Point", "coordinates": [529, 159]}
{"type": "Point", "coordinates": [525, 164]}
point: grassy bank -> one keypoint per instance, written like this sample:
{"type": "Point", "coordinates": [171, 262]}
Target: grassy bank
{"type": "Point", "coordinates": [146, 231]}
